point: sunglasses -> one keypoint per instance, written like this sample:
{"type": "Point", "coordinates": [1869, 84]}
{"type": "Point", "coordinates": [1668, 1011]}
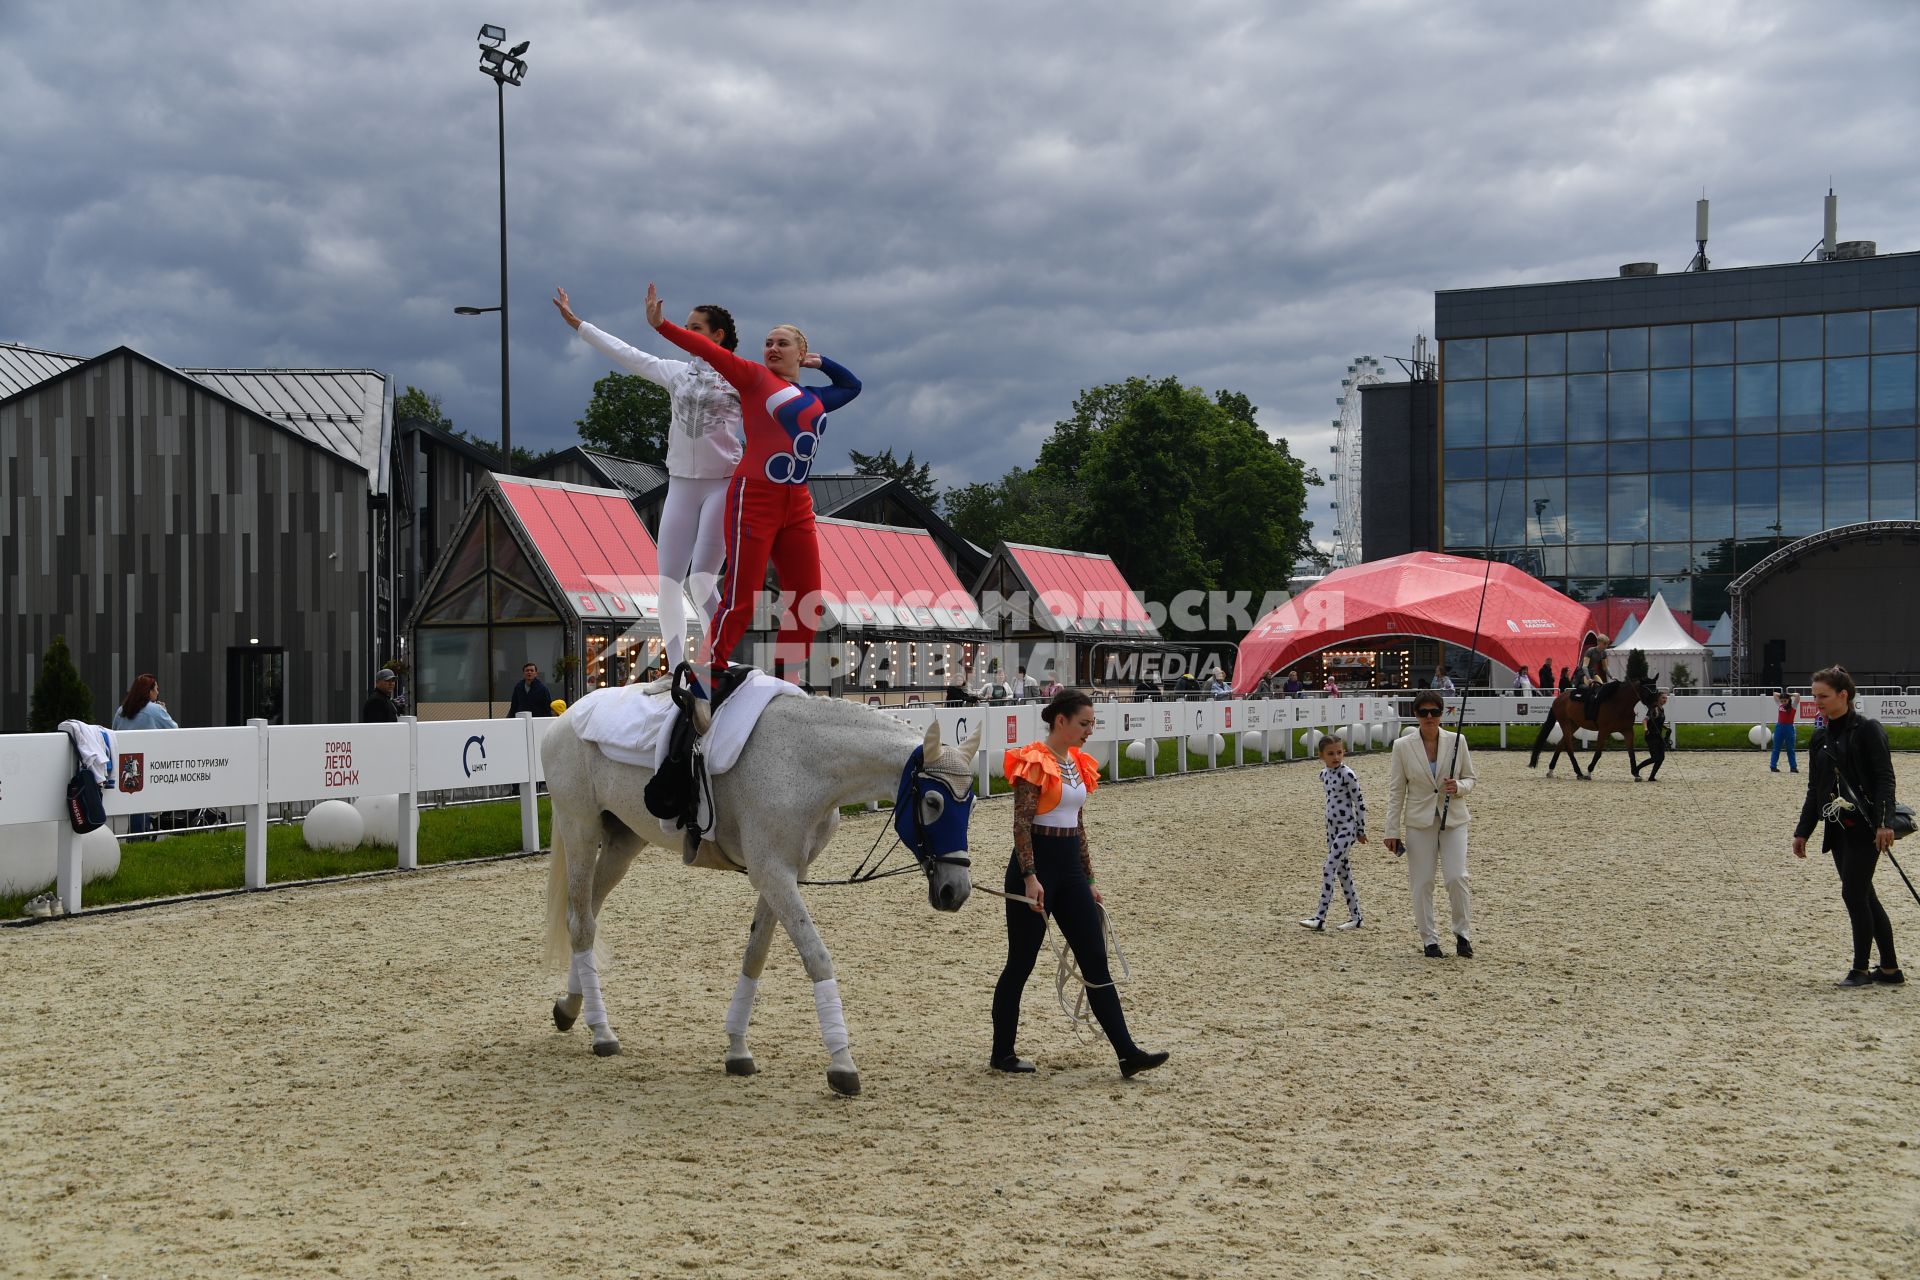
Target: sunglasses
{"type": "Point", "coordinates": [1429, 713]}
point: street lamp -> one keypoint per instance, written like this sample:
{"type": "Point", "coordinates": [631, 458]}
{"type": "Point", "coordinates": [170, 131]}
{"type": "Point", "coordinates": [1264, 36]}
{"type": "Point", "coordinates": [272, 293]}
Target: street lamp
{"type": "Point", "coordinates": [506, 67]}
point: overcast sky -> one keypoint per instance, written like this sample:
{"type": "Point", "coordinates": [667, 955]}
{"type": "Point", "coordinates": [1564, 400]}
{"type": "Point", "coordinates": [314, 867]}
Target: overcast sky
{"type": "Point", "coordinates": [981, 209]}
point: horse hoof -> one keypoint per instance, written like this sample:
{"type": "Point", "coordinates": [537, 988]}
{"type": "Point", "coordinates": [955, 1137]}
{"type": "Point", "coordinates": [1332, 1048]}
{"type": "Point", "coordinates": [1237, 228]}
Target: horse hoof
{"type": "Point", "coordinates": [562, 1020]}
{"type": "Point", "coordinates": [605, 1048]}
{"type": "Point", "coordinates": [844, 1083]}
{"type": "Point", "coordinates": [746, 1067]}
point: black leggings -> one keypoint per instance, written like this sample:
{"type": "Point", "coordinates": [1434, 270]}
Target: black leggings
{"type": "Point", "coordinates": [1069, 899]}
{"type": "Point", "coordinates": [1855, 858]}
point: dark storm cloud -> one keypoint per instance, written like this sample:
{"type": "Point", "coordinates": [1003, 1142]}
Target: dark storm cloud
{"type": "Point", "coordinates": [982, 209]}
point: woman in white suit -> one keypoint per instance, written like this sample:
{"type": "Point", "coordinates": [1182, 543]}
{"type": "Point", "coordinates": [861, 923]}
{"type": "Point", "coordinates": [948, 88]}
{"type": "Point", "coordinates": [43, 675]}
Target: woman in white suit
{"type": "Point", "coordinates": [1432, 770]}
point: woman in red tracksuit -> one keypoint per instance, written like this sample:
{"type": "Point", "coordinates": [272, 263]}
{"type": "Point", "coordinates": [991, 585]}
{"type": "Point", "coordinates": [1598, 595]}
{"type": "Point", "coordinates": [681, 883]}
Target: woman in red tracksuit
{"type": "Point", "coordinates": [769, 507]}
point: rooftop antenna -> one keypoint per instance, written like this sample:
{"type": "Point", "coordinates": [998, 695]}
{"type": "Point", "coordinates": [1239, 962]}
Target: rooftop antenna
{"type": "Point", "coordinates": [1826, 250]}
{"type": "Point", "coordinates": [1700, 262]}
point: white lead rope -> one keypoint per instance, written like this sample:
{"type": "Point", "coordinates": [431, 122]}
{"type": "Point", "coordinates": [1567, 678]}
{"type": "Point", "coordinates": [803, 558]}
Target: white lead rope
{"type": "Point", "coordinates": [1067, 969]}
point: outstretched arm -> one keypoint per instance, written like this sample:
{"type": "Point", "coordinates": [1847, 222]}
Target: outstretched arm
{"type": "Point", "coordinates": [741, 373]}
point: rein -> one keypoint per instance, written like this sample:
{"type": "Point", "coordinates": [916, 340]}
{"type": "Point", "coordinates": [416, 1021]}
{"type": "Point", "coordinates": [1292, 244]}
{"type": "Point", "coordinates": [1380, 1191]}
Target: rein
{"type": "Point", "coordinates": [1067, 969]}
{"type": "Point", "coordinates": [916, 786]}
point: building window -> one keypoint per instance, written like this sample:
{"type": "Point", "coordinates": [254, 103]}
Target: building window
{"type": "Point", "coordinates": [1713, 343]}
{"type": "Point", "coordinates": [1892, 484]}
{"type": "Point", "coordinates": [1547, 407]}
{"type": "Point", "coordinates": [1627, 406]}
{"type": "Point", "coordinates": [1506, 411]}
{"type": "Point", "coordinates": [1846, 495]}
{"type": "Point", "coordinates": [1801, 397]}
{"type": "Point", "coordinates": [1627, 508]}
{"type": "Point", "coordinates": [1547, 353]}
{"type": "Point", "coordinates": [1506, 357]}
{"type": "Point", "coordinates": [1894, 330]}
{"type": "Point", "coordinates": [1587, 407]}
{"type": "Point", "coordinates": [1891, 404]}
{"type": "Point", "coordinates": [1670, 345]}
{"type": "Point", "coordinates": [1757, 398]}
{"type": "Point", "coordinates": [1756, 340]}
{"type": "Point", "coordinates": [1627, 349]}
{"type": "Point", "coordinates": [1467, 358]}
{"type": "Point", "coordinates": [1670, 409]}
{"type": "Point", "coordinates": [1757, 506]}
{"type": "Point", "coordinates": [1712, 402]}
{"type": "Point", "coordinates": [1587, 351]}
{"type": "Point", "coordinates": [1847, 334]}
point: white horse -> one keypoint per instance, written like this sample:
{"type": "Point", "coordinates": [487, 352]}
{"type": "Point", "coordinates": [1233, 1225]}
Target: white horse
{"type": "Point", "coordinates": [776, 809]}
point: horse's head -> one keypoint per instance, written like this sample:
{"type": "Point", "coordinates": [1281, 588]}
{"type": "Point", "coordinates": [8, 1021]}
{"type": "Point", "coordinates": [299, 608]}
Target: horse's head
{"type": "Point", "coordinates": [1649, 694]}
{"type": "Point", "coordinates": [930, 814]}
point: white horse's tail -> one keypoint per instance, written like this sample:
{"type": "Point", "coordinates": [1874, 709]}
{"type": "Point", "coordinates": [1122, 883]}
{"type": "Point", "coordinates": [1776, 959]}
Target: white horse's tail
{"type": "Point", "coordinates": [559, 946]}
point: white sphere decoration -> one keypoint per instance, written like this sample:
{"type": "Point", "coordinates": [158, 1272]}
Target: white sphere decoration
{"type": "Point", "coordinates": [1406, 729]}
{"type": "Point", "coordinates": [1758, 735]}
{"type": "Point", "coordinates": [381, 816]}
{"type": "Point", "coordinates": [332, 825]}
{"type": "Point", "coordinates": [1136, 750]}
{"type": "Point", "coordinates": [99, 855]}
{"type": "Point", "coordinates": [1218, 742]}
{"type": "Point", "coordinates": [1311, 740]}
{"type": "Point", "coordinates": [1358, 735]}
{"type": "Point", "coordinates": [1253, 742]}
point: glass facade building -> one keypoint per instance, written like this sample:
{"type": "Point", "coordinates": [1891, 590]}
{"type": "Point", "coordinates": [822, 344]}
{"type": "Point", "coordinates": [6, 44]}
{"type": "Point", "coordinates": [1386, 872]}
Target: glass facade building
{"type": "Point", "coordinates": [1663, 434]}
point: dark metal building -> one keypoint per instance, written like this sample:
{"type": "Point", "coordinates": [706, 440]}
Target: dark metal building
{"type": "Point", "coordinates": [222, 529]}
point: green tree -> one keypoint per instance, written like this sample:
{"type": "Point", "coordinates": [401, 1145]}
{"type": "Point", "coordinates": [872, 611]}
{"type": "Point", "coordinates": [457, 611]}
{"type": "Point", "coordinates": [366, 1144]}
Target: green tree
{"type": "Point", "coordinates": [916, 479]}
{"type": "Point", "coordinates": [59, 694]}
{"type": "Point", "coordinates": [1022, 506]}
{"type": "Point", "coordinates": [1636, 665]}
{"type": "Point", "coordinates": [628, 417]}
{"type": "Point", "coordinates": [417, 404]}
{"type": "Point", "coordinates": [1140, 484]}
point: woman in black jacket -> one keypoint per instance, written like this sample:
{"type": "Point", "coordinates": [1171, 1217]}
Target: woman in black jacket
{"type": "Point", "coordinates": [1850, 784]}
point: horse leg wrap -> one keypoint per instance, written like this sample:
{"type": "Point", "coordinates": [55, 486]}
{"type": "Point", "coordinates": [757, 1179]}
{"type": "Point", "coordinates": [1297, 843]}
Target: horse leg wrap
{"type": "Point", "coordinates": [833, 1022]}
{"type": "Point", "coordinates": [586, 971]}
{"type": "Point", "coordinates": [741, 1008]}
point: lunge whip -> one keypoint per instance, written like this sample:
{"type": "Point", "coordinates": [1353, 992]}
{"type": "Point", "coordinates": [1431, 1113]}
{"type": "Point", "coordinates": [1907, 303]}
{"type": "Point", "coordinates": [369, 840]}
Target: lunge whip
{"type": "Point", "coordinates": [1460, 724]}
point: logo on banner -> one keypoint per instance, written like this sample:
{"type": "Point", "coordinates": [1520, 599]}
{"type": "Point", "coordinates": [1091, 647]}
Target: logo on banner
{"type": "Point", "coordinates": [960, 729]}
{"type": "Point", "coordinates": [1013, 730]}
{"type": "Point", "coordinates": [1228, 711]}
{"type": "Point", "coordinates": [133, 771]}
{"type": "Point", "coordinates": [1126, 722]}
{"type": "Point", "coordinates": [339, 767]}
{"type": "Point", "coordinates": [1810, 710]}
{"type": "Point", "coordinates": [1521, 708]}
{"type": "Point", "coordinates": [587, 605]}
{"type": "Point", "coordinates": [1716, 711]}
{"type": "Point", "coordinates": [466, 755]}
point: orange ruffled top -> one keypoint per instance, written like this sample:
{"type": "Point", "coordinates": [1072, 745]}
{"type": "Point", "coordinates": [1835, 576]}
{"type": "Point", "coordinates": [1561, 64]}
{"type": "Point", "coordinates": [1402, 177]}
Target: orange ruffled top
{"type": "Point", "coordinates": [1036, 764]}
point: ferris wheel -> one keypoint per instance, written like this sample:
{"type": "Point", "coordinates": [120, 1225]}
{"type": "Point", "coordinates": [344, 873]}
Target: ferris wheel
{"type": "Point", "coordinates": [1364, 371]}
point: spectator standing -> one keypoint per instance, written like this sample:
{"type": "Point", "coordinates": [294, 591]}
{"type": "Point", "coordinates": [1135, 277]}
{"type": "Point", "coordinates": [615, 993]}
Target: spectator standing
{"type": "Point", "coordinates": [1566, 678]}
{"type": "Point", "coordinates": [530, 694]}
{"type": "Point", "coordinates": [1783, 734]}
{"type": "Point", "coordinates": [1293, 688]}
{"type": "Point", "coordinates": [142, 709]}
{"type": "Point", "coordinates": [1522, 683]}
{"type": "Point", "coordinates": [379, 708]}
{"type": "Point", "coordinates": [1027, 686]}
{"type": "Point", "coordinates": [1546, 676]}
{"type": "Point", "coordinates": [1332, 687]}
{"type": "Point", "coordinates": [1218, 687]}
{"type": "Point", "coordinates": [1442, 681]}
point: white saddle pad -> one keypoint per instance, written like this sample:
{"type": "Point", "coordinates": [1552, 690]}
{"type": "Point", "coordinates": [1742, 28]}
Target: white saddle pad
{"type": "Point", "coordinates": [632, 726]}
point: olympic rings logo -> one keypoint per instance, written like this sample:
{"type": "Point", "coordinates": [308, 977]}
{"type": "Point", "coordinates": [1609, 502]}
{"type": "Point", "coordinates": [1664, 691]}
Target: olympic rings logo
{"type": "Point", "coordinates": [794, 467]}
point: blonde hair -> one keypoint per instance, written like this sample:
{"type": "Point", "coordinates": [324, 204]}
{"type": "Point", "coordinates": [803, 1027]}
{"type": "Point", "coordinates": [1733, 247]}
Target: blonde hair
{"type": "Point", "coordinates": [794, 329]}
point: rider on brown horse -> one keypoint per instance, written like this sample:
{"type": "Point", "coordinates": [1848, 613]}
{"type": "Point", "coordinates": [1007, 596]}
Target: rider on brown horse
{"type": "Point", "coordinates": [1615, 707]}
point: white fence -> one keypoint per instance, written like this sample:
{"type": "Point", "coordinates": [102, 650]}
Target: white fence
{"type": "Point", "coordinates": [250, 768]}
{"type": "Point", "coordinates": [260, 765]}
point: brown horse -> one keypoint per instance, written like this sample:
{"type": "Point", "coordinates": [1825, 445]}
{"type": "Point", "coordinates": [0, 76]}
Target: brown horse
{"type": "Point", "coordinates": [1613, 712]}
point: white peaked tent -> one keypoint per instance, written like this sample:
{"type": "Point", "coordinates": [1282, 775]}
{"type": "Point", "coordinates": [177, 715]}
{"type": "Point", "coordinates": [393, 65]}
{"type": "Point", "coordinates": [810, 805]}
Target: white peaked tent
{"type": "Point", "coordinates": [1627, 629]}
{"type": "Point", "coordinates": [1720, 639]}
{"type": "Point", "coordinates": [1665, 642]}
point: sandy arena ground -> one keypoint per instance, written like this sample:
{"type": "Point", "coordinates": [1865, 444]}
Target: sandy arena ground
{"type": "Point", "coordinates": [1647, 1072]}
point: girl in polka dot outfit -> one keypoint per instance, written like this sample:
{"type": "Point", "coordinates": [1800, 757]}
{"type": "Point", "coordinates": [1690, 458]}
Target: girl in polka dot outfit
{"type": "Point", "coordinates": [1346, 827]}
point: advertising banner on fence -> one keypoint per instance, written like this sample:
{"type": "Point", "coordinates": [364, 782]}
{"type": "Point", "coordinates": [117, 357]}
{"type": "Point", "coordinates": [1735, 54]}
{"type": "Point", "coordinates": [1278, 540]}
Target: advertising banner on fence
{"type": "Point", "coordinates": [156, 770]}
{"type": "Point", "coordinates": [471, 753]}
{"type": "Point", "coordinates": [338, 761]}
{"type": "Point", "coordinates": [34, 768]}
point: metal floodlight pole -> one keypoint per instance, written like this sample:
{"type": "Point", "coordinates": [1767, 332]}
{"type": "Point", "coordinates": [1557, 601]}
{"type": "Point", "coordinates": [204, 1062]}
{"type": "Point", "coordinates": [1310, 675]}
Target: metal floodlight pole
{"type": "Point", "coordinates": [506, 382]}
{"type": "Point", "coordinates": [505, 68]}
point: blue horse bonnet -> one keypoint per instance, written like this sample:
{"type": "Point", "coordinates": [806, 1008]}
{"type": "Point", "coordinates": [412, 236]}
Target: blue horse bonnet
{"type": "Point", "coordinates": [927, 816]}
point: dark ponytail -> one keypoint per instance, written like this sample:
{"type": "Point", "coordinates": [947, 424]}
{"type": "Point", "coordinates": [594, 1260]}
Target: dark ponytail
{"type": "Point", "coordinates": [1067, 702]}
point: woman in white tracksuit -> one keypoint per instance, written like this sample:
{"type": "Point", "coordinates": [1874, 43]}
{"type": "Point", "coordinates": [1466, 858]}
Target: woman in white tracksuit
{"type": "Point", "coordinates": [1432, 770]}
{"type": "Point", "coordinates": [703, 448]}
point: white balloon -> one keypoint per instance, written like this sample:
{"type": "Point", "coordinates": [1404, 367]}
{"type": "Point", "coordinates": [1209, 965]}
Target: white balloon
{"type": "Point", "coordinates": [1136, 750]}
{"type": "Point", "coordinates": [99, 855]}
{"type": "Point", "coordinates": [1311, 740]}
{"type": "Point", "coordinates": [1253, 743]}
{"type": "Point", "coordinates": [381, 815]}
{"type": "Point", "coordinates": [1759, 736]}
{"type": "Point", "coordinates": [332, 825]}
{"type": "Point", "coordinates": [1358, 735]}
{"type": "Point", "coordinates": [1219, 743]}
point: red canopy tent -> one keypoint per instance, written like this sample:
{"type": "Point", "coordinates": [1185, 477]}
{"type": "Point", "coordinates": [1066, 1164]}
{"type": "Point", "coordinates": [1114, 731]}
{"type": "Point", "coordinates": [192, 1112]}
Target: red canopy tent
{"type": "Point", "coordinates": [1422, 594]}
